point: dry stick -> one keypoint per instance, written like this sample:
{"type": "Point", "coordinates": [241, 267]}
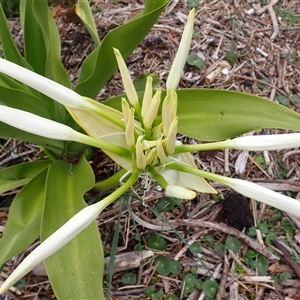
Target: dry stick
{"type": "Point", "coordinates": [270, 9]}
{"type": "Point", "coordinates": [226, 229]}
{"type": "Point", "coordinates": [223, 281]}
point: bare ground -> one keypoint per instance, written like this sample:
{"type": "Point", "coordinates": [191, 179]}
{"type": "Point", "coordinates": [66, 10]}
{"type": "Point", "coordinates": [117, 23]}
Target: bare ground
{"type": "Point", "coordinates": [262, 57]}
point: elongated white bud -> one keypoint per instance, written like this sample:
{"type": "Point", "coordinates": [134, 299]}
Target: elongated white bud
{"type": "Point", "coordinates": [127, 82]}
{"type": "Point", "coordinates": [46, 86]}
{"type": "Point", "coordinates": [147, 96]}
{"type": "Point", "coordinates": [129, 130]}
{"type": "Point", "coordinates": [140, 156]}
{"type": "Point", "coordinates": [182, 53]}
{"type": "Point", "coordinates": [152, 110]}
{"type": "Point", "coordinates": [161, 152]}
{"type": "Point", "coordinates": [171, 138]}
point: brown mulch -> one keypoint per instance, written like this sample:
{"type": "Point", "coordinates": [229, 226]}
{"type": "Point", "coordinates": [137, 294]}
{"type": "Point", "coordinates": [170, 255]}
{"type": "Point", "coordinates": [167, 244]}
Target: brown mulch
{"type": "Point", "coordinates": [242, 49]}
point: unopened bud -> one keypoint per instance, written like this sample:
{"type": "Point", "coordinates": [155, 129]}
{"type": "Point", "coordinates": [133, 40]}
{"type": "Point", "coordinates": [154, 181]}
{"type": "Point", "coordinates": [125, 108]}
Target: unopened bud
{"type": "Point", "coordinates": [171, 137]}
{"type": "Point", "coordinates": [147, 97]}
{"type": "Point", "coordinates": [140, 156]}
{"type": "Point", "coordinates": [161, 152]}
{"type": "Point", "coordinates": [152, 110]}
{"type": "Point", "coordinates": [151, 156]}
{"type": "Point", "coordinates": [129, 129]}
{"type": "Point", "coordinates": [125, 110]}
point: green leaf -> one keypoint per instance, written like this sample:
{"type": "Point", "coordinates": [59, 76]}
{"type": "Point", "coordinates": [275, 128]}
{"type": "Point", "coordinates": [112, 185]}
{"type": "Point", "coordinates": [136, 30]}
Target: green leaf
{"type": "Point", "coordinates": [283, 100]}
{"type": "Point", "coordinates": [210, 288]}
{"type": "Point", "coordinates": [166, 204]}
{"type": "Point", "coordinates": [195, 60]}
{"type": "Point", "coordinates": [34, 47]}
{"type": "Point", "coordinates": [263, 227]}
{"type": "Point", "coordinates": [75, 271]}
{"type": "Point", "coordinates": [262, 265]}
{"type": "Point", "coordinates": [156, 242]}
{"type": "Point", "coordinates": [213, 115]}
{"type": "Point", "coordinates": [164, 267]}
{"type": "Point", "coordinates": [10, 50]}
{"type": "Point", "coordinates": [84, 12]}
{"type": "Point", "coordinates": [218, 115]}
{"type": "Point", "coordinates": [7, 131]}
{"type": "Point", "coordinates": [175, 267]}
{"type": "Point", "coordinates": [101, 64]}
{"type": "Point", "coordinates": [195, 248]}
{"type": "Point", "coordinates": [128, 278]}
{"type": "Point", "coordinates": [21, 174]}
{"type": "Point", "coordinates": [54, 68]}
{"type": "Point", "coordinates": [23, 224]}
{"type": "Point", "coordinates": [233, 244]}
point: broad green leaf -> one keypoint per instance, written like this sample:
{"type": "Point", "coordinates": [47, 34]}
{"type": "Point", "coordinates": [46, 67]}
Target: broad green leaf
{"type": "Point", "coordinates": [75, 271]}
{"type": "Point", "coordinates": [212, 115]}
{"type": "Point", "coordinates": [21, 174]}
{"type": "Point", "coordinates": [34, 46]}
{"type": "Point", "coordinates": [84, 12]}
{"type": "Point", "coordinates": [10, 132]}
{"type": "Point", "coordinates": [10, 50]}
{"type": "Point", "coordinates": [101, 64]}
{"type": "Point", "coordinates": [217, 114]}
{"type": "Point", "coordinates": [22, 99]}
{"type": "Point", "coordinates": [54, 68]}
{"type": "Point", "coordinates": [23, 224]}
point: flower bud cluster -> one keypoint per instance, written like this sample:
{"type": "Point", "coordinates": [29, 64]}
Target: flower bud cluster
{"type": "Point", "coordinates": [152, 139]}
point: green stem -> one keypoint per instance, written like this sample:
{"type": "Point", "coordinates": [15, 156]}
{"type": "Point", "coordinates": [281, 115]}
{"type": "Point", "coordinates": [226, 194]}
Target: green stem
{"type": "Point", "coordinates": [200, 147]}
{"type": "Point", "coordinates": [160, 179]}
{"type": "Point", "coordinates": [110, 182]}
{"type": "Point", "coordinates": [49, 154]}
{"type": "Point", "coordinates": [186, 169]}
{"type": "Point", "coordinates": [121, 190]}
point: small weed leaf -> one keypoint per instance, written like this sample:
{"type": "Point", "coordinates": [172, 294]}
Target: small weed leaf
{"type": "Point", "coordinates": [139, 247]}
{"type": "Point", "coordinates": [166, 204]}
{"type": "Point", "coordinates": [284, 276]}
{"type": "Point", "coordinates": [261, 85]}
{"type": "Point", "coordinates": [283, 100]}
{"type": "Point", "coordinates": [189, 279]}
{"type": "Point", "coordinates": [263, 227]}
{"type": "Point", "coordinates": [209, 240]}
{"type": "Point", "coordinates": [295, 98]}
{"type": "Point", "coordinates": [194, 270]}
{"type": "Point", "coordinates": [164, 267]}
{"type": "Point", "coordinates": [219, 248]}
{"type": "Point", "coordinates": [156, 242]}
{"type": "Point", "coordinates": [199, 284]}
{"type": "Point", "coordinates": [150, 292]}
{"type": "Point", "coordinates": [187, 290]}
{"type": "Point", "coordinates": [210, 288]}
{"type": "Point", "coordinates": [195, 60]}
{"type": "Point", "coordinates": [233, 244]}
{"type": "Point", "coordinates": [270, 237]}
{"type": "Point", "coordinates": [175, 267]}
{"type": "Point", "coordinates": [195, 248]}
{"type": "Point", "coordinates": [251, 253]}
{"type": "Point", "coordinates": [251, 231]}
{"type": "Point", "coordinates": [262, 265]}
{"type": "Point", "coordinates": [259, 159]}
{"type": "Point", "coordinates": [128, 278]}
{"type": "Point", "coordinates": [192, 3]}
